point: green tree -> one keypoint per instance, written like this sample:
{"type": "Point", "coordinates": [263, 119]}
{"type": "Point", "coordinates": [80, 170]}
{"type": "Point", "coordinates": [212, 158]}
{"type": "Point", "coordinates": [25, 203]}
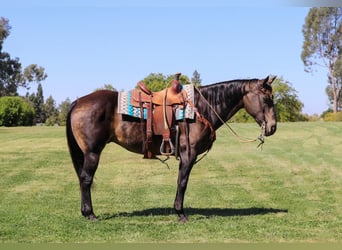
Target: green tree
{"type": "Point", "coordinates": [39, 105]}
{"type": "Point", "coordinates": [287, 105]}
{"type": "Point", "coordinates": [10, 75]}
{"type": "Point", "coordinates": [15, 111]}
{"type": "Point", "coordinates": [322, 45]}
{"type": "Point", "coordinates": [155, 81]}
{"type": "Point", "coordinates": [10, 69]}
{"type": "Point", "coordinates": [158, 81]}
{"type": "Point", "coordinates": [329, 92]}
{"type": "Point", "coordinates": [107, 86]}
{"type": "Point", "coordinates": [338, 63]}
{"type": "Point", "coordinates": [35, 73]}
{"type": "Point", "coordinates": [4, 30]}
{"type": "Point", "coordinates": [37, 99]}
{"type": "Point", "coordinates": [51, 112]}
{"type": "Point", "coordinates": [196, 79]}
{"type": "Point", "coordinates": [63, 111]}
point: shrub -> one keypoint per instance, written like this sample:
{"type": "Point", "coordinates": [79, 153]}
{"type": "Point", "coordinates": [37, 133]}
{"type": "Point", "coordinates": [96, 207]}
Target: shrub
{"type": "Point", "coordinates": [331, 117]}
{"type": "Point", "coordinates": [15, 111]}
{"type": "Point", "coordinates": [338, 117]}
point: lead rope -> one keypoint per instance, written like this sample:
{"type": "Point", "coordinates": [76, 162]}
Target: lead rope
{"type": "Point", "coordinates": [240, 138]}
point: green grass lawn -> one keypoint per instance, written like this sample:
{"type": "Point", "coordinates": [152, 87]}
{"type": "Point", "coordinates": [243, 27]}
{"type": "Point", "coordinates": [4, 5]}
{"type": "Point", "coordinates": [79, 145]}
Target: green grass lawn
{"type": "Point", "coordinates": [291, 191]}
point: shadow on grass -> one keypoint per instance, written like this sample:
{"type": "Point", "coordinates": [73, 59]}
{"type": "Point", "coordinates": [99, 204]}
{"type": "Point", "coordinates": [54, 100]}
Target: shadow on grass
{"type": "Point", "coordinates": [207, 212]}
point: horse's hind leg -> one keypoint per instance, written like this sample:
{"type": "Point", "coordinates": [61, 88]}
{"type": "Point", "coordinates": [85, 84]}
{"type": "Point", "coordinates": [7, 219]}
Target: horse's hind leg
{"type": "Point", "coordinates": [86, 176]}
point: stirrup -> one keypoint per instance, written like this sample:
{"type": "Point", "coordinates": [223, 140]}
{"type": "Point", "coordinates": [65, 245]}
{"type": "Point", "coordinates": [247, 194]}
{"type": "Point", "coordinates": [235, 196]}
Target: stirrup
{"type": "Point", "coordinates": [162, 147]}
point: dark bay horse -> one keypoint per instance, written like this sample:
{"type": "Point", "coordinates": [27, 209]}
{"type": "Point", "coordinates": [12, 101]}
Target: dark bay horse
{"type": "Point", "coordinates": [93, 122]}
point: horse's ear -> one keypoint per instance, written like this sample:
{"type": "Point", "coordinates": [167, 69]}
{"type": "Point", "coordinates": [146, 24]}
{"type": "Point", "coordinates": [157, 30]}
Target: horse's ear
{"type": "Point", "coordinates": [271, 79]}
{"type": "Point", "coordinates": [266, 80]}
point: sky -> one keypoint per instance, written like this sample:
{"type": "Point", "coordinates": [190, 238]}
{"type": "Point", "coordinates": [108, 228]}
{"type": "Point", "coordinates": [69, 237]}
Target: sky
{"type": "Point", "coordinates": [85, 44]}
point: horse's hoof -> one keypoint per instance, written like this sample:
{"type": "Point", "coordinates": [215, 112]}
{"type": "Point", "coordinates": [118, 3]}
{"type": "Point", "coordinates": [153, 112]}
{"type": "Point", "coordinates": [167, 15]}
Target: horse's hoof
{"type": "Point", "coordinates": [182, 219]}
{"type": "Point", "coordinates": [92, 217]}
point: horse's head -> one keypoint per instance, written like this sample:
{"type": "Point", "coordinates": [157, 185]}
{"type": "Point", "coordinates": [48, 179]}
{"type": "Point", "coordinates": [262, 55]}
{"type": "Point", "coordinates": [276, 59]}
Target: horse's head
{"type": "Point", "coordinates": [258, 102]}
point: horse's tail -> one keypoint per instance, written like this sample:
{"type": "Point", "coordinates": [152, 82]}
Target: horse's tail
{"type": "Point", "coordinates": [74, 149]}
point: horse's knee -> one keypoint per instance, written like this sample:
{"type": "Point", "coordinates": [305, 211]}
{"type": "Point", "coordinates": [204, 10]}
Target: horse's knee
{"type": "Point", "coordinates": [86, 179]}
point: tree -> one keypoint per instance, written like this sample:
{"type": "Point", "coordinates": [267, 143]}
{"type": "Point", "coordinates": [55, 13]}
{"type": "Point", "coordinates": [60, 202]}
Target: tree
{"type": "Point", "coordinates": [15, 111]}
{"type": "Point", "coordinates": [39, 105]}
{"type": "Point", "coordinates": [35, 73]}
{"type": "Point", "coordinates": [338, 63]}
{"type": "Point", "coordinates": [63, 112]}
{"type": "Point", "coordinates": [37, 100]}
{"type": "Point", "coordinates": [287, 105]}
{"type": "Point", "coordinates": [10, 69]}
{"type": "Point", "coordinates": [107, 86]}
{"type": "Point", "coordinates": [330, 95]}
{"type": "Point", "coordinates": [10, 75]}
{"type": "Point", "coordinates": [322, 45]}
{"type": "Point", "coordinates": [196, 79]}
{"type": "Point", "coordinates": [51, 112]}
{"type": "Point", "coordinates": [155, 81]}
{"type": "Point", "coordinates": [4, 30]}
{"type": "Point", "coordinates": [158, 81]}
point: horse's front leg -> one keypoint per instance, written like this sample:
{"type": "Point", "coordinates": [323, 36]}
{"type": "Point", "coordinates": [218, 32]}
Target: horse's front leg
{"type": "Point", "coordinates": [185, 167]}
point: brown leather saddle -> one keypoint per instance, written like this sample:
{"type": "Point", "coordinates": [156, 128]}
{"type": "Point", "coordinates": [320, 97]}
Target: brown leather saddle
{"type": "Point", "coordinates": [160, 114]}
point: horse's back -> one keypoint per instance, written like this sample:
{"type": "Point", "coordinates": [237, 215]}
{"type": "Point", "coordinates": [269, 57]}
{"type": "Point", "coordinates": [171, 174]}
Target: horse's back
{"type": "Point", "coordinates": [91, 119]}
{"type": "Point", "coordinates": [98, 97]}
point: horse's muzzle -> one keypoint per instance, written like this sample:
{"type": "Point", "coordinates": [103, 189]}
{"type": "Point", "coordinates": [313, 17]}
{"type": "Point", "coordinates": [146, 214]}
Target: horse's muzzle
{"type": "Point", "coordinates": [270, 130]}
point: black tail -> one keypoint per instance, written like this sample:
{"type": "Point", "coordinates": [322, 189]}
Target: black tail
{"type": "Point", "coordinates": [75, 151]}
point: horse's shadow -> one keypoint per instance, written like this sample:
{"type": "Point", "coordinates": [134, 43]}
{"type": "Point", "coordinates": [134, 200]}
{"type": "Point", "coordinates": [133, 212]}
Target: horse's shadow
{"type": "Point", "coordinates": [206, 212]}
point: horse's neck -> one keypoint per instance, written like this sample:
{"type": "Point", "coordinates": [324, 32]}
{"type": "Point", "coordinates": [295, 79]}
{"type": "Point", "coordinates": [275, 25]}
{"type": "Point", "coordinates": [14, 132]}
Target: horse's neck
{"type": "Point", "coordinates": [221, 102]}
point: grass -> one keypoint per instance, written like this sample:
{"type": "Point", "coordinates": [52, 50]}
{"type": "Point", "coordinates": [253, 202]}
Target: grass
{"type": "Point", "coordinates": [291, 191]}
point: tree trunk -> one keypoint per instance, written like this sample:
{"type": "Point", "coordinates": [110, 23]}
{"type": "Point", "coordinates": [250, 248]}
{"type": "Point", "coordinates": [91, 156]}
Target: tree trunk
{"type": "Point", "coordinates": [334, 90]}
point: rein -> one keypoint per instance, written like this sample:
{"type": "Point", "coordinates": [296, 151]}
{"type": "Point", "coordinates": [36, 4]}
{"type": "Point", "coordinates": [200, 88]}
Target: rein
{"type": "Point", "coordinates": [260, 138]}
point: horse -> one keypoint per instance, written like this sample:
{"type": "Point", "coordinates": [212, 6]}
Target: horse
{"type": "Point", "coordinates": [93, 121]}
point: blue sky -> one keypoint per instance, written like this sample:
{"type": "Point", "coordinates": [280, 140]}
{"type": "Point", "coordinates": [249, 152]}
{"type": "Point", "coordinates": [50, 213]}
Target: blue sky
{"type": "Point", "coordinates": [85, 44]}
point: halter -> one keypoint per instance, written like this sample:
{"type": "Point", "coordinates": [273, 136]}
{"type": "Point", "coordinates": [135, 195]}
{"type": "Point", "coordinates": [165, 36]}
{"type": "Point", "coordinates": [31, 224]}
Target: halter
{"type": "Point", "coordinates": [263, 124]}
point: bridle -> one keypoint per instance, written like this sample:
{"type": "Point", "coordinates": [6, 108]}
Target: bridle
{"type": "Point", "coordinates": [259, 92]}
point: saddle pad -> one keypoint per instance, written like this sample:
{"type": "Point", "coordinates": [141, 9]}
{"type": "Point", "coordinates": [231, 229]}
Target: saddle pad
{"type": "Point", "coordinates": [125, 107]}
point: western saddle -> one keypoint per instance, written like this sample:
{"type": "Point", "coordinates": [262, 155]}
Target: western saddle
{"type": "Point", "coordinates": [160, 108]}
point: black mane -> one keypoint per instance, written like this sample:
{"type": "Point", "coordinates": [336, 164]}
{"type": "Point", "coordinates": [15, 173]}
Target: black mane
{"type": "Point", "coordinates": [225, 97]}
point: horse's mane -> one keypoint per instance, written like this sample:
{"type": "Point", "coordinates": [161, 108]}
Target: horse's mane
{"type": "Point", "coordinates": [224, 96]}
{"type": "Point", "coordinates": [218, 92]}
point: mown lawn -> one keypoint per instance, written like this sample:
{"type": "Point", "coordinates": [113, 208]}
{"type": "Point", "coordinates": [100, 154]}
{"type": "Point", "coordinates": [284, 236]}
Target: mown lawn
{"type": "Point", "coordinates": [291, 191]}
